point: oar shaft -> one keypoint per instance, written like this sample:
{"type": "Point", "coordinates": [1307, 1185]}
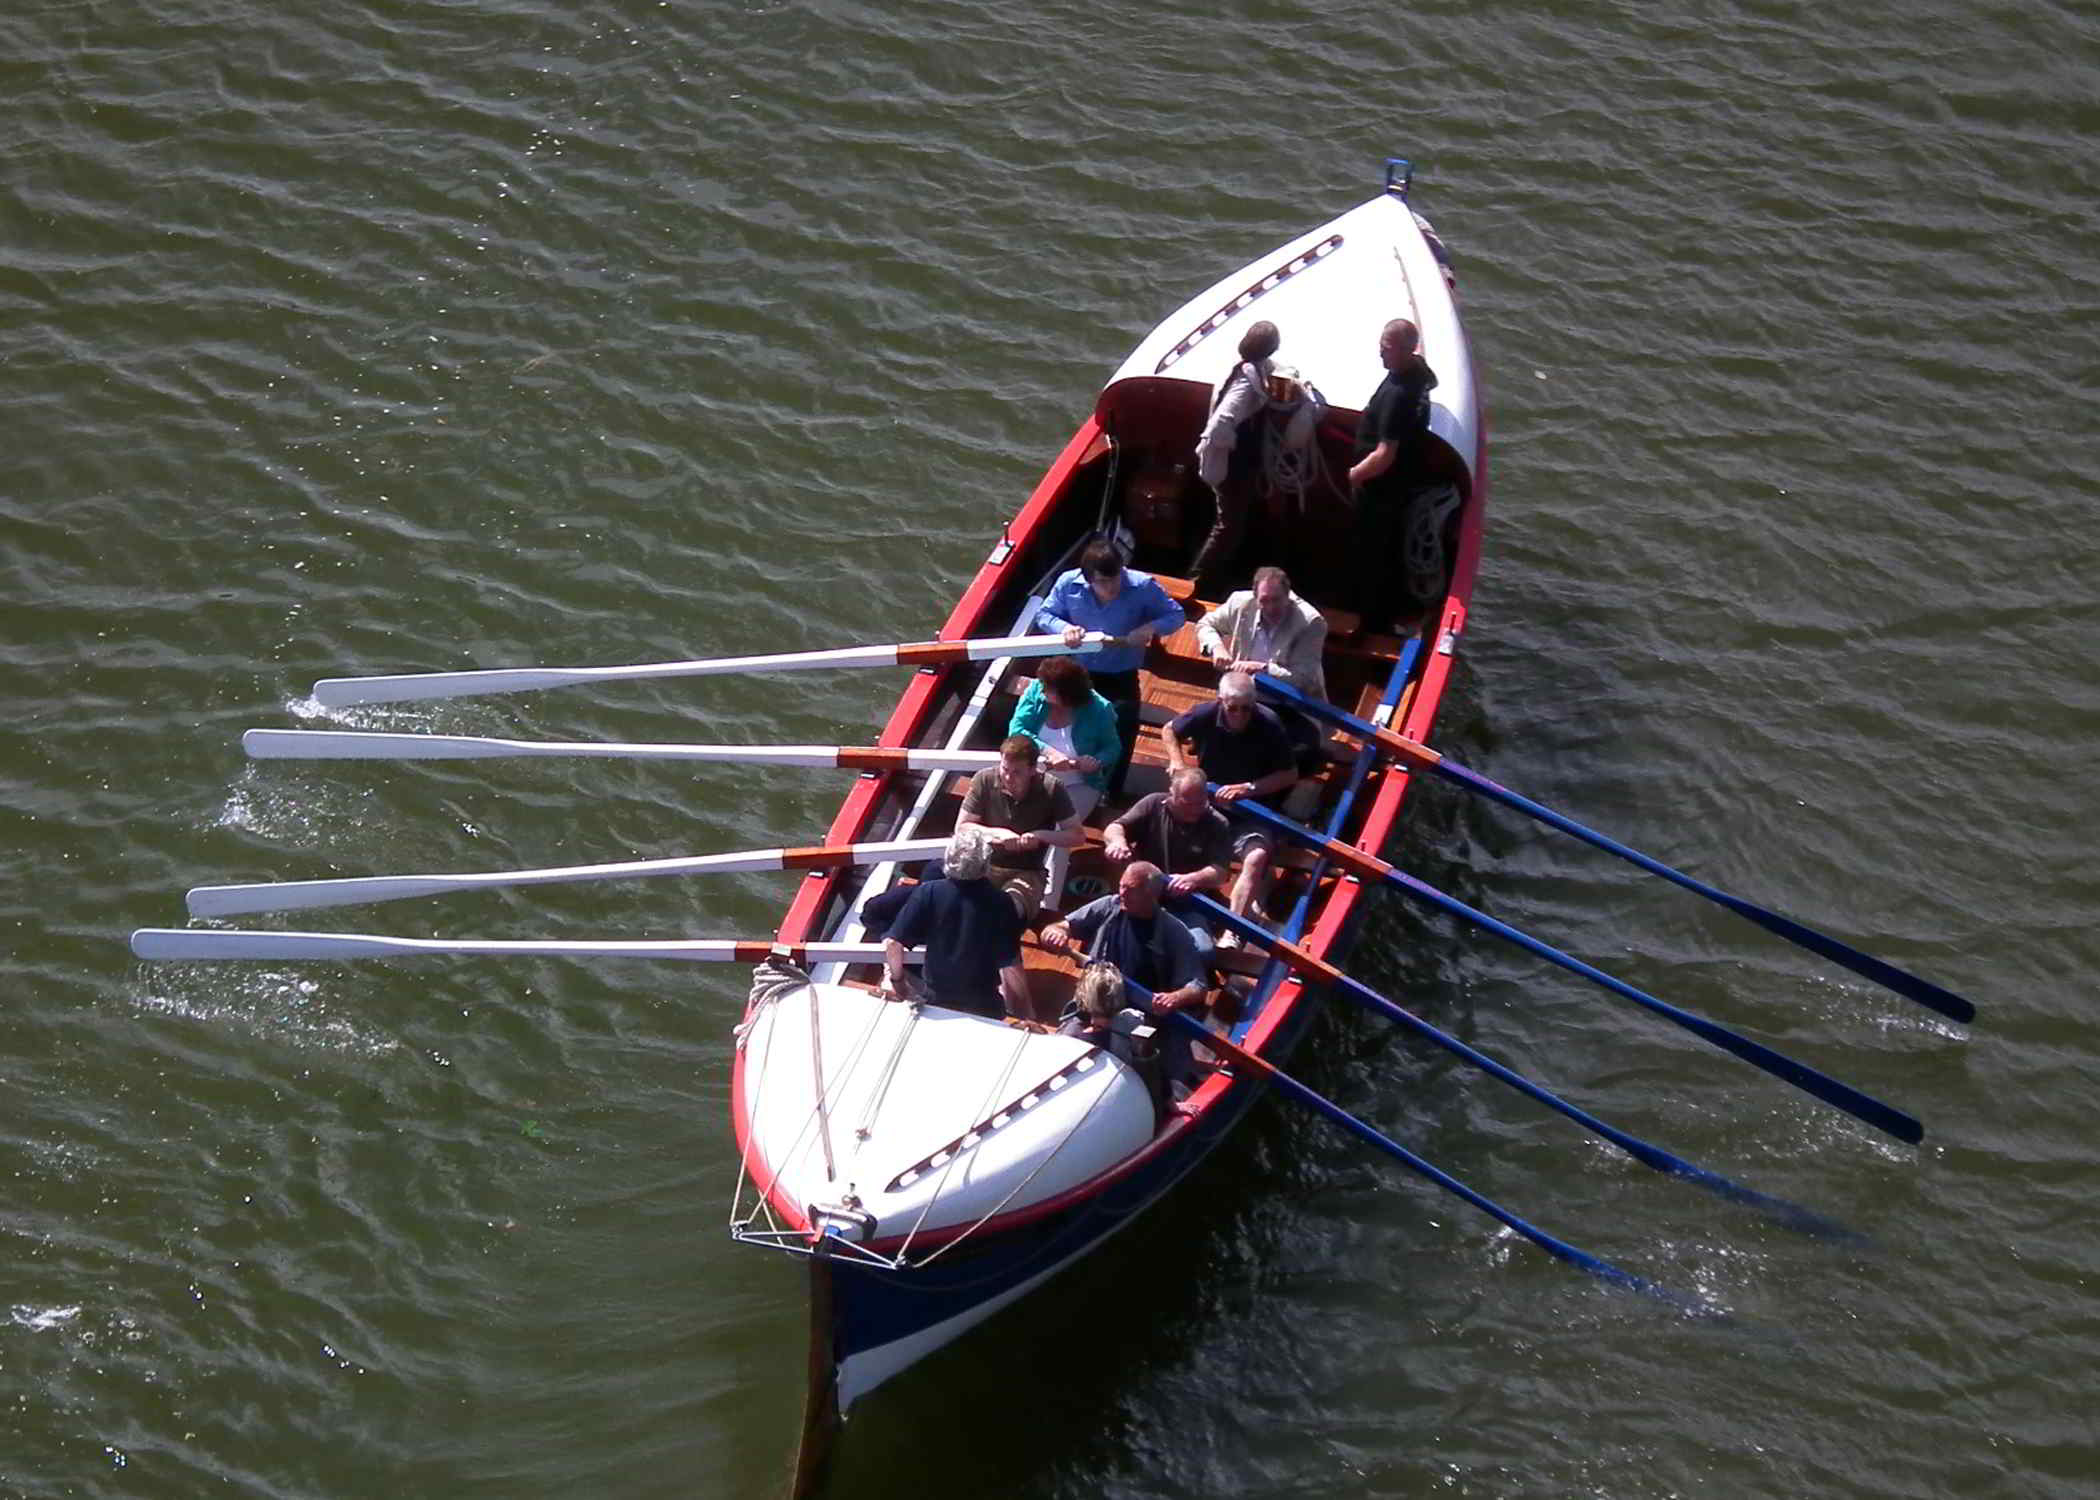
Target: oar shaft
{"type": "Point", "coordinates": [180, 943]}
{"type": "Point", "coordinates": [1310, 966]}
{"type": "Point", "coordinates": [1883, 973]}
{"type": "Point", "coordinates": [337, 692]}
{"type": "Point", "coordinates": [329, 744]}
{"type": "Point", "coordinates": [1842, 1096]}
{"type": "Point", "coordinates": [291, 895]}
{"type": "Point", "coordinates": [1249, 1063]}
{"type": "Point", "coordinates": [1923, 991]}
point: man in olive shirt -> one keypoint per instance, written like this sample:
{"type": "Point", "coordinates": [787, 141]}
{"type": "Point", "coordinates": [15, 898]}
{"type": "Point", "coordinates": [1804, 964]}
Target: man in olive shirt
{"type": "Point", "coordinates": [1023, 812]}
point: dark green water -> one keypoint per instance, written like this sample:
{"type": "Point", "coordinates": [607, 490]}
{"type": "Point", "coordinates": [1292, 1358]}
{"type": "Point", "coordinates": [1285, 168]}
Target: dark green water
{"type": "Point", "coordinates": [407, 337]}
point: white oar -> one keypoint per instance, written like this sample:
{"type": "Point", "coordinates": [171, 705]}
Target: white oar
{"type": "Point", "coordinates": [335, 692]}
{"type": "Point", "coordinates": [214, 943]}
{"type": "Point", "coordinates": [332, 744]}
{"type": "Point", "coordinates": [287, 895]}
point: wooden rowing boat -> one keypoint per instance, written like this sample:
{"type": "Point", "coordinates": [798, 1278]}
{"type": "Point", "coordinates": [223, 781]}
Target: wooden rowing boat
{"type": "Point", "coordinates": [933, 1168]}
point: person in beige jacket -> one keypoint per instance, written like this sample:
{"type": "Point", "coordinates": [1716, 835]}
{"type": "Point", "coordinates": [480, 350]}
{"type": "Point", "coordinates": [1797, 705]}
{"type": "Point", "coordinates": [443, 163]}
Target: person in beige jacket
{"type": "Point", "coordinates": [1268, 629]}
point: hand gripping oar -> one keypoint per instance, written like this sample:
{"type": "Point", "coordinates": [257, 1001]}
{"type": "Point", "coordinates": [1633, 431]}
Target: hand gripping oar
{"type": "Point", "coordinates": [1248, 1063]}
{"type": "Point", "coordinates": [1319, 970]}
{"type": "Point", "coordinates": [1860, 1106]}
{"type": "Point", "coordinates": [288, 895]}
{"type": "Point", "coordinates": [336, 692]}
{"type": "Point", "coordinates": [227, 943]}
{"type": "Point", "coordinates": [1420, 756]}
{"type": "Point", "coordinates": [332, 744]}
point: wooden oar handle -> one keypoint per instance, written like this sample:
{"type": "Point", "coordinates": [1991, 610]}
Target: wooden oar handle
{"type": "Point", "coordinates": [817, 857]}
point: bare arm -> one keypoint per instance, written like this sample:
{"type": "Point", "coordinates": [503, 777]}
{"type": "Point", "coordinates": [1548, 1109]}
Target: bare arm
{"type": "Point", "coordinates": [1209, 878]}
{"type": "Point", "coordinates": [1373, 464]}
{"type": "Point", "coordinates": [1066, 835]}
{"type": "Point", "coordinates": [893, 966]}
{"type": "Point", "coordinates": [1013, 987]}
{"type": "Point", "coordinates": [1179, 756]}
{"type": "Point", "coordinates": [1181, 999]}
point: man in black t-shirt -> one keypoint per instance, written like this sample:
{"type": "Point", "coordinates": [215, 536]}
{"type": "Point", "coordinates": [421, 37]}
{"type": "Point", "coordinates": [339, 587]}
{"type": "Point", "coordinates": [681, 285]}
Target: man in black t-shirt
{"type": "Point", "coordinates": [1389, 444]}
{"type": "Point", "coordinates": [1184, 835]}
{"type": "Point", "coordinates": [1245, 749]}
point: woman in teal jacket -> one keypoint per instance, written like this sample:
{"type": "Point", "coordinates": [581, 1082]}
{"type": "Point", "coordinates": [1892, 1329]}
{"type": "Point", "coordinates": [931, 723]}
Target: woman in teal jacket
{"type": "Point", "coordinates": [1076, 727]}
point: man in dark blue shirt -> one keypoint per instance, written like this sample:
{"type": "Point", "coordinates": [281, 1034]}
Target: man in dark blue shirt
{"type": "Point", "coordinates": [1131, 931]}
{"type": "Point", "coordinates": [1148, 945]}
{"type": "Point", "coordinates": [971, 933]}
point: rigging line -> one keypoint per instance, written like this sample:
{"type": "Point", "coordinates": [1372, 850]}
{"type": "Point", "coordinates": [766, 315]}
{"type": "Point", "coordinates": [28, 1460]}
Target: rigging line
{"type": "Point", "coordinates": [889, 1075]}
{"type": "Point", "coordinates": [875, 1015]}
{"type": "Point", "coordinates": [1000, 1207]}
{"type": "Point", "coordinates": [816, 1064]}
{"type": "Point", "coordinates": [875, 1018]}
{"type": "Point", "coordinates": [743, 1169]}
{"type": "Point", "coordinates": [992, 1095]}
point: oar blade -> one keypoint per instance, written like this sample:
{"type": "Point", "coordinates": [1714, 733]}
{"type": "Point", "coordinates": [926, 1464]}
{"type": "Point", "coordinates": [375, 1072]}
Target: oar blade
{"type": "Point", "coordinates": [208, 943]}
{"type": "Point", "coordinates": [218, 943]}
{"type": "Point", "coordinates": [1922, 991]}
{"type": "Point", "coordinates": [338, 692]}
{"type": "Point", "coordinates": [322, 744]}
{"type": "Point", "coordinates": [1888, 975]}
{"type": "Point", "coordinates": [302, 895]}
{"type": "Point", "coordinates": [346, 692]}
{"type": "Point", "coordinates": [309, 895]}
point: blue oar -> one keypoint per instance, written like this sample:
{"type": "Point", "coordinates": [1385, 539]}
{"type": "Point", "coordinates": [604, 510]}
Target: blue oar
{"type": "Point", "coordinates": [1241, 1059]}
{"type": "Point", "coordinates": [1369, 866]}
{"type": "Point", "coordinates": [1310, 966]}
{"type": "Point", "coordinates": [1902, 981]}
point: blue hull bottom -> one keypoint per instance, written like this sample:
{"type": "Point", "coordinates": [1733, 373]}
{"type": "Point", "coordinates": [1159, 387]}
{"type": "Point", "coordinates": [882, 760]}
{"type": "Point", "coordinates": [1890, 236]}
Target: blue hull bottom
{"type": "Point", "coordinates": [881, 1321]}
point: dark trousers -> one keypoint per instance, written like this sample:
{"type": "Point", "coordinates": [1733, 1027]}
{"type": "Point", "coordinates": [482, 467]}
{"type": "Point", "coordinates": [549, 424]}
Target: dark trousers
{"type": "Point", "coordinates": [1382, 594]}
{"type": "Point", "coordinates": [1121, 691]}
{"type": "Point", "coordinates": [992, 1006]}
{"type": "Point", "coordinates": [1221, 549]}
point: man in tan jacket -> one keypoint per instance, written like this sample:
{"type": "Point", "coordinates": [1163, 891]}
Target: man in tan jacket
{"type": "Point", "coordinates": [1268, 629]}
